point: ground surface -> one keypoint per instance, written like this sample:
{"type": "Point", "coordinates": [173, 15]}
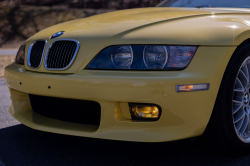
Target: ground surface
{"type": "Point", "coordinates": [8, 51]}
{"type": "Point", "coordinates": [20, 145]}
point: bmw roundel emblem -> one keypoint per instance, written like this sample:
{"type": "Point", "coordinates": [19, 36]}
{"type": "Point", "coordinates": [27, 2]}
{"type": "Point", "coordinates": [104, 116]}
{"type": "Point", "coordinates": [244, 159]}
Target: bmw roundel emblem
{"type": "Point", "coordinates": [57, 34]}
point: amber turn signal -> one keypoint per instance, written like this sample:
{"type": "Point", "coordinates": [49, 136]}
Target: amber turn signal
{"type": "Point", "coordinates": [192, 87]}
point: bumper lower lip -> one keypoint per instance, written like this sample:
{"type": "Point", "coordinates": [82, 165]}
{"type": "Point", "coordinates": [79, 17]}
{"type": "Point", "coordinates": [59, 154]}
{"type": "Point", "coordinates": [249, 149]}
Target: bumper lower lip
{"type": "Point", "coordinates": [184, 115]}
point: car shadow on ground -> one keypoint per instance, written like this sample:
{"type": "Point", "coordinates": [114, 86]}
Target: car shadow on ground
{"type": "Point", "coordinates": [20, 145]}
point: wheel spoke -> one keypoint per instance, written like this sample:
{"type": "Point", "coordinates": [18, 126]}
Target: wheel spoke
{"type": "Point", "coordinates": [240, 114]}
{"type": "Point", "coordinates": [244, 125]}
{"type": "Point", "coordinates": [245, 68]}
{"type": "Point", "coordinates": [236, 109]}
{"type": "Point", "coordinates": [240, 84]}
{"type": "Point", "coordinates": [238, 90]}
{"type": "Point", "coordinates": [238, 102]}
{"type": "Point", "coordinates": [239, 124]}
{"type": "Point", "coordinates": [245, 77]}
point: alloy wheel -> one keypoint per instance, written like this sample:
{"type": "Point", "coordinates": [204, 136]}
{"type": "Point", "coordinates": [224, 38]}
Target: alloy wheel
{"type": "Point", "coordinates": [241, 102]}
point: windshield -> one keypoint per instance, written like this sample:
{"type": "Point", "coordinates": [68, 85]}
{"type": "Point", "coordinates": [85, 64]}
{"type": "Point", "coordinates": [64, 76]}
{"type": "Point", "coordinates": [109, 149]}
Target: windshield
{"type": "Point", "coordinates": [212, 3]}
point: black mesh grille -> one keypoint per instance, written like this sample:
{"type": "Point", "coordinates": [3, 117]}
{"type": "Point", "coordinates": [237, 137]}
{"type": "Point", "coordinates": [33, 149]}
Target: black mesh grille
{"type": "Point", "coordinates": [69, 110]}
{"type": "Point", "coordinates": [61, 54]}
{"type": "Point", "coordinates": [36, 53]}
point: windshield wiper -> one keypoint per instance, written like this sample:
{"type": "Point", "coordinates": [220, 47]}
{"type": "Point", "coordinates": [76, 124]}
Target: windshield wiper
{"type": "Point", "coordinates": [203, 6]}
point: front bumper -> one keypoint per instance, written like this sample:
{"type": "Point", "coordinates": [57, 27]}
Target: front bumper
{"type": "Point", "coordinates": [184, 114]}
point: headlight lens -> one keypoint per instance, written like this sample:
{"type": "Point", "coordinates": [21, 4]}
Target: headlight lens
{"type": "Point", "coordinates": [20, 55]}
{"type": "Point", "coordinates": [155, 57]}
{"type": "Point", "coordinates": [144, 57]}
{"type": "Point", "coordinates": [181, 56]}
{"type": "Point", "coordinates": [122, 57]}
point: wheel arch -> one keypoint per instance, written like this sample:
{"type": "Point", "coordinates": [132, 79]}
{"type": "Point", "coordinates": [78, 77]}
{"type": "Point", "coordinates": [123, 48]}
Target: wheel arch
{"type": "Point", "coordinates": [242, 38]}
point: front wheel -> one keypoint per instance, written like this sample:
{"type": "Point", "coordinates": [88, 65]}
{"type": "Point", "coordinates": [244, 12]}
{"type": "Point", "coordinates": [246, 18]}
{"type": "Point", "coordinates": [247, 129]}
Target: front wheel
{"type": "Point", "coordinates": [240, 102]}
{"type": "Point", "coordinates": [229, 125]}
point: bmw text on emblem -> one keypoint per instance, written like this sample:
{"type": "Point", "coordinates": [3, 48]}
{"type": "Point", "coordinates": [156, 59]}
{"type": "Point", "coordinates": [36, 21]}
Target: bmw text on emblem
{"type": "Point", "coordinates": [57, 34]}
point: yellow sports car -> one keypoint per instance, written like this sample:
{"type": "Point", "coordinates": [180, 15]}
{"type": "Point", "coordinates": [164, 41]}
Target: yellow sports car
{"type": "Point", "coordinates": [175, 71]}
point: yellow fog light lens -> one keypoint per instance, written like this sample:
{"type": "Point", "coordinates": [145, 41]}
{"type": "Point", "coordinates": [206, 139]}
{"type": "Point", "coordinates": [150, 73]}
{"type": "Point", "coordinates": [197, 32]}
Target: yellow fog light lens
{"type": "Point", "coordinates": [146, 112]}
{"type": "Point", "coordinates": [192, 87]}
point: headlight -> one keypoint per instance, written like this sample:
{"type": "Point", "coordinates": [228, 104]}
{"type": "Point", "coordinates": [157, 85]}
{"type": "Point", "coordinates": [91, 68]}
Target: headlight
{"type": "Point", "coordinates": [20, 55]}
{"type": "Point", "coordinates": [144, 57]}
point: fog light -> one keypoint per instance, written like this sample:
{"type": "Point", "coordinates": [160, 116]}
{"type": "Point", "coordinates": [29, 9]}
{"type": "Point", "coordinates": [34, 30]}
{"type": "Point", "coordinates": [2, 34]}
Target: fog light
{"type": "Point", "coordinates": [145, 112]}
{"type": "Point", "coordinates": [192, 87]}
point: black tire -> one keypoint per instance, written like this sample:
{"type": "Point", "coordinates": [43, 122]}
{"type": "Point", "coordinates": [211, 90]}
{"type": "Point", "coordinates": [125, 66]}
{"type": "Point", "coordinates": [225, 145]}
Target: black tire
{"type": "Point", "coordinates": [220, 130]}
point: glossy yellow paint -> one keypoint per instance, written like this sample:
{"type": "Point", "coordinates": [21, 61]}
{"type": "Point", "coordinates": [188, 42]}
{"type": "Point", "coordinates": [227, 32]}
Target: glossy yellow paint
{"type": "Point", "coordinates": [175, 26]}
{"type": "Point", "coordinates": [184, 115]}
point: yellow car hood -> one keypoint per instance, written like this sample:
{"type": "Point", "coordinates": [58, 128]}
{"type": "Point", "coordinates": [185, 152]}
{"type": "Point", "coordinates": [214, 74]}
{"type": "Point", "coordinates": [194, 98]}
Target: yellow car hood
{"type": "Point", "coordinates": [113, 23]}
{"type": "Point", "coordinates": [177, 26]}
{"type": "Point", "coordinates": [125, 21]}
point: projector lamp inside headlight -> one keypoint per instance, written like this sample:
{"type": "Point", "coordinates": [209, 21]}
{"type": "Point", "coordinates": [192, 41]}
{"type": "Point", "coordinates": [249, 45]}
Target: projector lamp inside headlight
{"type": "Point", "coordinates": [155, 57]}
{"type": "Point", "coordinates": [122, 57]}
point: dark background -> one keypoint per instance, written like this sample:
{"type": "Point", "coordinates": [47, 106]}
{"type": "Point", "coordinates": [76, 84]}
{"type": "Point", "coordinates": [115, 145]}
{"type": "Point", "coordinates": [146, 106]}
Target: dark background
{"type": "Point", "coordinates": [93, 4]}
